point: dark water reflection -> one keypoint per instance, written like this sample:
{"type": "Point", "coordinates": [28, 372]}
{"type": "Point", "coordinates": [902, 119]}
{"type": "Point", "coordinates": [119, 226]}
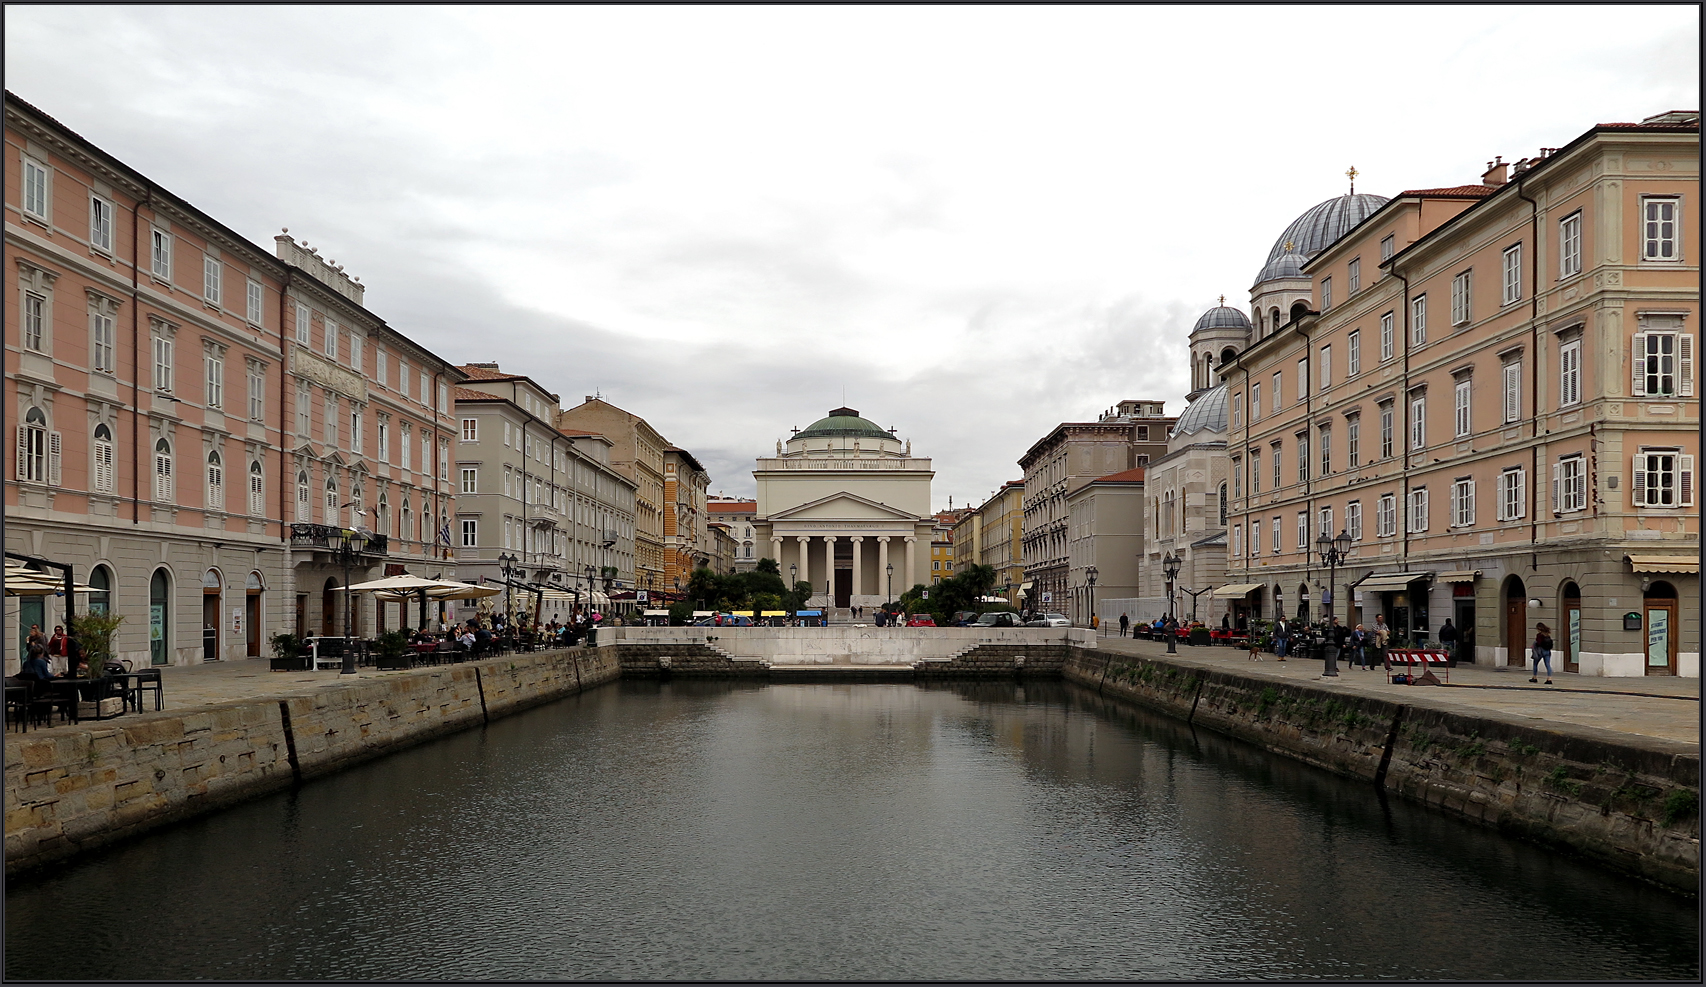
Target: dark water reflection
{"type": "Point", "coordinates": [869, 831]}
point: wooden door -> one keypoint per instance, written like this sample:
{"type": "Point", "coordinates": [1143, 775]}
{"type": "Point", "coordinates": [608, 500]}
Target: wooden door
{"type": "Point", "coordinates": [210, 622]}
{"type": "Point", "coordinates": [843, 587]}
{"type": "Point", "coordinates": [1660, 622]}
{"type": "Point", "coordinates": [329, 612]}
{"type": "Point", "coordinates": [252, 614]}
{"type": "Point", "coordinates": [1516, 630]}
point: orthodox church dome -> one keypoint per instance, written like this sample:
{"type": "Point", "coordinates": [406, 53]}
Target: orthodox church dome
{"type": "Point", "coordinates": [1222, 317]}
{"type": "Point", "coordinates": [1206, 413]}
{"type": "Point", "coordinates": [1319, 226]}
{"type": "Point", "coordinates": [1286, 265]}
{"type": "Point", "coordinates": [844, 423]}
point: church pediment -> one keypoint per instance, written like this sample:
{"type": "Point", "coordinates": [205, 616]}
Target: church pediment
{"type": "Point", "coordinates": [843, 507]}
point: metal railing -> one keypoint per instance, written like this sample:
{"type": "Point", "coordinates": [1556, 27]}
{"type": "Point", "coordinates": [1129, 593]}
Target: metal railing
{"type": "Point", "coordinates": [327, 538]}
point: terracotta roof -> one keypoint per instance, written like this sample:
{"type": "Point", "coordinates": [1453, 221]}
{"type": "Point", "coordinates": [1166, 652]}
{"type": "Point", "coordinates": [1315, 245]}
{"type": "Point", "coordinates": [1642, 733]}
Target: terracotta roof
{"type": "Point", "coordinates": [486, 373]}
{"type": "Point", "coordinates": [732, 506]}
{"type": "Point", "coordinates": [468, 394]}
{"type": "Point", "coordinates": [1652, 126]}
{"type": "Point", "coordinates": [1124, 476]}
{"type": "Point", "coordinates": [1452, 192]}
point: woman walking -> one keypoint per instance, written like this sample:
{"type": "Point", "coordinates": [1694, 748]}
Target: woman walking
{"type": "Point", "coordinates": [1542, 652]}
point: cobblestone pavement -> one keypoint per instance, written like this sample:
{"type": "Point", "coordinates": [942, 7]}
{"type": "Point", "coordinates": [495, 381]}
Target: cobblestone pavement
{"type": "Point", "coordinates": [1653, 706]}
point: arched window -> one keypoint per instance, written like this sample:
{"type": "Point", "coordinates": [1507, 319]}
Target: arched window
{"type": "Point", "coordinates": [1275, 322]}
{"type": "Point", "coordinates": [215, 482]}
{"type": "Point", "coordinates": [257, 490]}
{"type": "Point", "coordinates": [1227, 355]}
{"type": "Point", "coordinates": [163, 485]}
{"type": "Point", "coordinates": [331, 516]}
{"type": "Point", "coordinates": [304, 510]}
{"type": "Point", "coordinates": [159, 617]}
{"type": "Point", "coordinates": [356, 515]}
{"type": "Point", "coordinates": [102, 447]}
{"type": "Point", "coordinates": [1223, 504]}
{"type": "Point", "coordinates": [32, 447]}
{"type": "Point", "coordinates": [100, 590]}
{"type": "Point", "coordinates": [1298, 310]}
{"type": "Point", "coordinates": [382, 515]}
{"type": "Point", "coordinates": [405, 521]}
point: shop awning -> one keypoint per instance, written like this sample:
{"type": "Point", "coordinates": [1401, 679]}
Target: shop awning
{"type": "Point", "coordinates": [1664, 563]}
{"type": "Point", "coordinates": [1390, 582]}
{"type": "Point", "coordinates": [1025, 587]}
{"type": "Point", "coordinates": [1458, 576]}
{"type": "Point", "coordinates": [774, 613]}
{"type": "Point", "coordinates": [1235, 591]}
{"type": "Point", "coordinates": [656, 613]}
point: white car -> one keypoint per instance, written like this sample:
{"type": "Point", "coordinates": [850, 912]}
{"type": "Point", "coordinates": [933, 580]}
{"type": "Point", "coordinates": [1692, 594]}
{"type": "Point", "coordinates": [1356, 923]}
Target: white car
{"type": "Point", "coordinates": [1049, 620]}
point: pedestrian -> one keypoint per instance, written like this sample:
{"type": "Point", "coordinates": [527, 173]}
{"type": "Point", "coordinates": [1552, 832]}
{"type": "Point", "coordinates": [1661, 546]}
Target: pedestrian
{"type": "Point", "coordinates": [1448, 638]}
{"type": "Point", "coordinates": [1359, 647]}
{"type": "Point", "coordinates": [1542, 652]}
{"type": "Point", "coordinates": [1125, 624]}
{"type": "Point", "coordinates": [1225, 621]}
{"type": "Point", "coordinates": [1282, 639]}
{"type": "Point", "coordinates": [1382, 635]}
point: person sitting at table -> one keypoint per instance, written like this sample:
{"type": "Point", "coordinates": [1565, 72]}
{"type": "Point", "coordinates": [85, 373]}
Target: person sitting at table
{"type": "Point", "coordinates": [466, 640]}
{"type": "Point", "coordinates": [36, 666]}
{"type": "Point", "coordinates": [482, 640]}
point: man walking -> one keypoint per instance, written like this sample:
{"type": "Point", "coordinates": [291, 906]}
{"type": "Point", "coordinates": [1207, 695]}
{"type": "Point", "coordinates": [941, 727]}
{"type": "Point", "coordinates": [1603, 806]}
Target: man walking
{"type": "Point", "coordinates": [1125, 624]}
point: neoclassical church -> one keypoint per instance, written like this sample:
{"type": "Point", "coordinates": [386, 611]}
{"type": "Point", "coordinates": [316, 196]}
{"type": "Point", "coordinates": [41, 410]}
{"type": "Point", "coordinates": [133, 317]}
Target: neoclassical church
{"type": "Point", "coordinates": [1186, 489]}
{"type": "Point", "coordinates": [845, 506]}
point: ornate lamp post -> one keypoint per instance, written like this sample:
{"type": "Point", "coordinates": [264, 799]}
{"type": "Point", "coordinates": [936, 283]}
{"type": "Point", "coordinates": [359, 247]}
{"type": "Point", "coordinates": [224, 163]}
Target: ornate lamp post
{"type": "Point", "coordinates": [347, 546]}
{"type": "Point", "coordinates": [1090, 579]}
{"type": "Point", "coordinates": [891, 582]}
{"type": "Point", "coordinates": [1170, 568]}
{"type": "Point", "coordinates": [508, 563]}
{"type": "Point", "coordinates": [1333, 552]}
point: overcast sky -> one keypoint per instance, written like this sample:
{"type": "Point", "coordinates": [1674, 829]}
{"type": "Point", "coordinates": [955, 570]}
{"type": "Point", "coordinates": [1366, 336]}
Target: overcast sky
{"type": "Point", "coordinates": [978, 222]}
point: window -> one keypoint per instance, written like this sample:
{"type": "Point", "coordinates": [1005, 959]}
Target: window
{"type": "Point", "coordinates": [1324, 439]}
{"type": "Point", "coordinates": [1237, 410]}
{"type": "Point", "coordinates": [423, 390]}
{"type": "Point", "coordinates": [444, 460]}
{"type": "Point", "coordinates": [379, 369]}
{"type": "Point", "coordinates": [1658, 229]}
{"type": "Point", "coordinates": [1326, 294]}
{"type": "Point", "coordinates": [163, 485]}
{"type": "Point", "coordinates": [1326, 367]}
{"type": "Point", "coordinates": [1419, 321]}
{"type": "Point", "coordinates": [1513, 274]}
{"type": "Point", "coordinates": [1462, 502]}
{"type": "Point", "coordinates": [215, 379]}
{"type": "Point", "coordinates": [103, 450]}
{"type": "Point", "coordinates": [160, 253]}
{"type": "Point", "coordinates": [470, 480]}
{"type": "Point", "coordinates": [355, 352]}
{"type": "Point", "coordinates": [1386, 430]}
{"type": "Point", "coordinates": [1386, 516]}
{"type": "Point", "coordinates": [1353, 438]}
{"type": "Point", "coordinates": [210, 279]}
{"type": "Point", "coordinates": [1418, 423]}
{"type": "Point", "coordinates": [1223, 504]}
{"type": "Point", "coordinates": [33, 448]}
{"type": "Point", "coordinates": [402, 376]}
{"type": "Point", "coordinates": [1570, 246]}
{"type": "Point", "coordinates": [470, 430]}
{"type": "Point", "coordinates": [1278, 379]}
{"type": "Point", "coordinates": [35, 320]}
{"type": "Point", "coordinates": [256, 298]}
{"type": "Point", "coordinates": [1460, 299]}
{"type": "Point", "coordinates": [1664, 364]}
{"type": "Point", "coordinates": [1255, 401]}
{"type": "Point", "coordinates": [1570, 373]}
{"type": "Point", "coordinates": [1386, 248]}
{"type": "Point", "coordinates": [1353, 354]}
{"type": "Point", "coordinates": [507, 436]}
{"type": "Point", "coordinates": [302, 410]}
{"type": "Point", "coordinates": [1237, 477]}
{"type": "Point", "coordinates": [355, 429]}
{"type": "Point", "coordinates": [100, 224]}
{"type": "Point", "coordinates": [443, 395]}
{"type": "Point", "coordinates": [1255, 471]}
{"type": "Point", "coordinates": [103, 338]}
{"type": "Point", "coordinates": [1513, 494]}
{"type": "Point", "coordinates": [1353, 520]}
{"type": "Point", "coordinates": [257, 490]}
{"type": "Point", "coordinates": [35, 189]}
{"type": "Point", "coordinates": [1278, 479]}
{"type": "Point", "coordinates": [1663, 478]}
{"type": "Point", "coordinates": [1354, 279]}
{"type": "Point", "coordinates": [404, 446]}
{"type": "Point", "coordinates": [302, 315]}
{"type": "Point", "coordinates": [1276, 530]}
{"type": "Point", "coordinates": [257, 392]}
{"type": "Point", "coordinates": [1569, 485]}
{"type": "Point", "coordinates": [1237, 540]}
{"type": "Point", "coordinates": [1255, 538]}
{"type": "Point", "coordinates": [331, 516]}
{"type": "Point", "coordinates": [303, 511]}
{"type": "Point", "coordinates": [1324, 522]}
{"type": "Point", "coordinates": [383, 436]}
{"type": "Point", "coordinates": [1419, 510]}
{"type": "Point", "coordinates": [331, 420]}
{"type": "Point", "coordinates": [162, 364]}
{"type": "Point", "coordinates": [1386, 337]}
{"type": "Point", "coordinates": [1513, 392]}
{"type": "Point", "coordinates": [1303, 531]}
{"type": "Point", "coordinates": [331, 339]}
{"type": "Point", "coordinates": [1303, 379]}
{"type": "Point", "coordinates": [470, 533]}
{"type": "Point", "coordinates": [1461, 405]}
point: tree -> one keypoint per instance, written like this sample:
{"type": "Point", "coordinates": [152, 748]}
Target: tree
{"type": "Point", "coordinates": [768, 565]}
{"type": "Point", "coordinates": [801, 593]}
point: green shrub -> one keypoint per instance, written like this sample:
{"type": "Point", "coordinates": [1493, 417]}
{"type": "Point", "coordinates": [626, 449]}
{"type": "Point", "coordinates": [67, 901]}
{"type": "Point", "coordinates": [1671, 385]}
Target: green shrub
{"type": "Point", "coordinates": [1681, 803]}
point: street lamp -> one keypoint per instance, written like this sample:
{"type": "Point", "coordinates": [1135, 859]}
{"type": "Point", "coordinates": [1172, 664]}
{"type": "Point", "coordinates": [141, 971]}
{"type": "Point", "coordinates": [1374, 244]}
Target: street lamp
{"type": "Point", "coordinates": [346, 555]}
{"type": "Point", "coordinates": [890, 568]}
{"type": "Point", "coordinates": [1333, 552]}
{"type": "Point", "coordinates": [1170, 568]}
{"type": "Point", "coordinates": [508, 563]}
{"type": "Point", "coordinates": [1090, 578]}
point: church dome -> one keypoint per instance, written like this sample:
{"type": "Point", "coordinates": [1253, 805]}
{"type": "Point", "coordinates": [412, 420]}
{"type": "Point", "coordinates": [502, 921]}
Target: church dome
{"type": "Point", "coordinates": [844, 423]}
{"type": "Point", "coordinates": [1222, 317]}
{"type": "Point", "coordinates": [1288, 265]}
{"type": "Point", "coordinates": [1317, 228]}
{"type": "Point", "coordinates": [1206, 413]}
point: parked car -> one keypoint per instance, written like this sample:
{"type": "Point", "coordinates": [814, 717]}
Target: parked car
{"type": "Point", "coordinates": [965, 618]}
{"type": "Point", "coordinates": [998, 619]}
{"type": "Point", "coordinates": [921, 620]}
{"type": "Point", "coordinates": [1049, 620]}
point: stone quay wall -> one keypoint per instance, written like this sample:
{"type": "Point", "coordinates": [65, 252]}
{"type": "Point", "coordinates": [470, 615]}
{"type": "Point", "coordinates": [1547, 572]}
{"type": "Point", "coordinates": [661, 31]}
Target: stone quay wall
{"type": "Point", "coordinates": [1629, 803]}
{"type": "Point", "coordinates": [68, 790]}
{"type": "Point", "coordinates": [842, 643]}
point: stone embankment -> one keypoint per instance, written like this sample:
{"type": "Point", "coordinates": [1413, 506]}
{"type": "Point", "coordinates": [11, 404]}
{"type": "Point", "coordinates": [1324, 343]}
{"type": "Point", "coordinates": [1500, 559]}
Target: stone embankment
{"type": "Point", "coordinates": [1628, 802]}
{"type": "Point", "coordinates": [70, 789]}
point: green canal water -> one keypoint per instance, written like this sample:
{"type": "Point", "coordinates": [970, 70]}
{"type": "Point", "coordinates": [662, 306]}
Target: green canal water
{"type": "Point", "coordinates": [718, 831]}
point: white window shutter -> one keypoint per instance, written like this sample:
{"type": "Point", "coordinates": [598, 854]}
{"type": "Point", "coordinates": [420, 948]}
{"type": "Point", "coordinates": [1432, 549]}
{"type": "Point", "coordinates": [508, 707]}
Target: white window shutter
{"type": "Point", "coordinates": [1425, 511]}
{"type": "Point", "coordinates": [1456, 505]}
{"type": "Point", "coordinates": [1504, 480]}
{"type": "Point", "coordinates": [1557, 485]}
{"type": "Point", "coordinates": [1638, 486]}
{"type": "Point", "coordinates": [53, 451]}
{"type": "Point", "coordinates": [1470, 510]}
{"type": "Point", "coordinates": [1638, 364]}
{"type": "Point", "coordinates": [1522, 494]}
{"type": "Point", "coordinates": [23, 454]}
{"type": "Point", "coordinates": [1685, 364]}
{"type": "Point", "coordinates": [1685, 481]}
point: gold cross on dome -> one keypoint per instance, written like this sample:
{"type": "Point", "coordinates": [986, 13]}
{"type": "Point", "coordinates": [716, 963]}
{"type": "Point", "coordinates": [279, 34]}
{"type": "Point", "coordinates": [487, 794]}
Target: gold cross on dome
{"type": "Point", "coordinates": [1222, 301]}
{"type": "Point", "coordinates": [1288, 246]}
{"type": "Point", "coordinates": [1352, 175]}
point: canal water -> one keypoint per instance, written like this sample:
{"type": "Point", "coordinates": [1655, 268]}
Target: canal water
{"type": "Point", "coordinates": [718, 831]}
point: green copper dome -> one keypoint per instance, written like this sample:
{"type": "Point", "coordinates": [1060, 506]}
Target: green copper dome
{"type": "Point", "coordinates": [843, 423]}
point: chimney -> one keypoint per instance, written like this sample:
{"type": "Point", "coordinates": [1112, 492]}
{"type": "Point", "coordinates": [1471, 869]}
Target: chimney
{"type": "Point", "coordinates": [1496, 173]}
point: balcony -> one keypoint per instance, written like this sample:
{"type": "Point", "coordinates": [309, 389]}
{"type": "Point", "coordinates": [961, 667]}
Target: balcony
{"type": "Point", "coordinates": [543, 516]}
{"type": "Point", "coordinates": [330, 539]}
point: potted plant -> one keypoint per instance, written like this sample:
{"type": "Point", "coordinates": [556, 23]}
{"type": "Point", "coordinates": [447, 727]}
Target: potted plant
{"type": "Point", "coordinates": [288, 654]}
{"type": "Point", "coordinates": [393, 650]}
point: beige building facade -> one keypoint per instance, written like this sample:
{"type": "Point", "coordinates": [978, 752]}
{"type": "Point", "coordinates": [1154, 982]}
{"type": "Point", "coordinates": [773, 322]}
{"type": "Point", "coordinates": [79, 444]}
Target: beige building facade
{"type": "Point", "coordinates": [1106, 534]}
{"type": "Point", "coordinates": [636, 451]}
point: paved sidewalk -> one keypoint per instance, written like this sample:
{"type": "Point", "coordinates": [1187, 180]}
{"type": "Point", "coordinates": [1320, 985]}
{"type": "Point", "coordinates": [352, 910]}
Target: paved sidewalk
{"type": "Point", "coordinates": [1653, 706]}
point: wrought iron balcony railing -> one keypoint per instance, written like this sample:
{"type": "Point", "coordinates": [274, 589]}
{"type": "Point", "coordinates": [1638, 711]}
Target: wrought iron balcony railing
{"type": "Point", "coordinates": [328, 538]}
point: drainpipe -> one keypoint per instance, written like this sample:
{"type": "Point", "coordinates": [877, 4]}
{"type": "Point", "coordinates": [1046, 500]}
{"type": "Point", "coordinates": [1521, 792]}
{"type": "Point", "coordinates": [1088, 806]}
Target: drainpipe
{"type": "Point", "coordinates": [1534, 347]}
{"type": "Point", "coordinates": [1403, 437]}
{"type": "Point", "coordinates": [284, 419]}
{"type": "Point", "coordinates": [136, 354]}
{"type": "Point", "coordinates": [1307, 381]}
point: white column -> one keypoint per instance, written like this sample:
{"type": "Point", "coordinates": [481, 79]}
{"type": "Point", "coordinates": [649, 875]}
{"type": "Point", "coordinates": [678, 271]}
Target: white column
{"type": "Point", "coordinates": [776, 552]}
{"type": "Point", "coordinates": [829, 570]}
{"type": "Point", "coordinates": [858, 583]}
{"type": "Point", "coordinates": [805, 559]}
{"type": "Point", "coordinates": [882, 564]}
{"type": "Point", "coordinates": [911, 575]}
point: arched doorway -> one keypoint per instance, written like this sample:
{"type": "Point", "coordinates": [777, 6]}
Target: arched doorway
{"type": "Point", "coordinates": [210, 593]}
{"type": "Point", "coordinates": [329, 609]}
{"type": "Point", "coordinates": [252, 612]}
{"type": "Point", "coordinates": [1516, 621]}
{"type": "Point", "coordinates": [1570, 635]}
{"type": "Point", "coordinates": [159, 618]}
{"type": "Point", "coordinates": [1659, 602]}
{"type": "Point", "coordinates": [1303, 603]}
{"type": "Point", "coordinates": [100, 589]}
